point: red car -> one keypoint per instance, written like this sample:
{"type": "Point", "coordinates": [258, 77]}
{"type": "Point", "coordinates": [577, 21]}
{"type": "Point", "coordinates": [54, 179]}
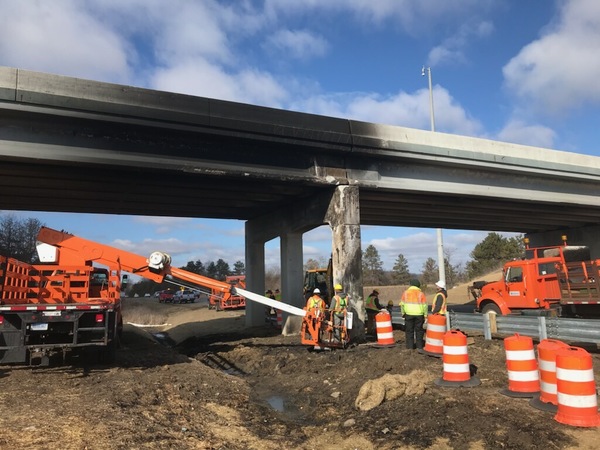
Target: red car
{"type": "Point", "coordinates": [166, 296]}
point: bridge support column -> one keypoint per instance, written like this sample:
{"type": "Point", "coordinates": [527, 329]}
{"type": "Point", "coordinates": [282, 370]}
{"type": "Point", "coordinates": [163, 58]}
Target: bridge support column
{"type": "Point", "coordinates": [255, 279]}
{"type": "Point", "coordinates": [292, 275]}
{"type": "Point", "coordinates": [343, 215]}
{"type": "Point", "coordinates": [589, 236]}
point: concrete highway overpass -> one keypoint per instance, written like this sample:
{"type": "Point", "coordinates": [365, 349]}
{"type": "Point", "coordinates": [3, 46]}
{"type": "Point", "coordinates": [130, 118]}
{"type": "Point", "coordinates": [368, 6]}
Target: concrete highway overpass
{"type": "Point", "coordinates": [82, 146]}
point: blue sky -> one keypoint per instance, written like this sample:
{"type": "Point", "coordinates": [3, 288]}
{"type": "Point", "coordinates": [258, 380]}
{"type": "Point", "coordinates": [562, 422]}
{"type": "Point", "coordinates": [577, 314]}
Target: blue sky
{"type": "Point", "coordinates": [508, 70]}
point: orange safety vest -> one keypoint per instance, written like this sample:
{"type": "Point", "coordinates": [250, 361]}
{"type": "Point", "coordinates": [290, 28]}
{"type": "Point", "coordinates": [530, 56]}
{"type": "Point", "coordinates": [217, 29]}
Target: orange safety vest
{"type": "Point", "coordinates": [443, 309]}
{"type": "Point", "coordinates": [340, 303]}
{"type": "Point", "coordinates": [413, 302]}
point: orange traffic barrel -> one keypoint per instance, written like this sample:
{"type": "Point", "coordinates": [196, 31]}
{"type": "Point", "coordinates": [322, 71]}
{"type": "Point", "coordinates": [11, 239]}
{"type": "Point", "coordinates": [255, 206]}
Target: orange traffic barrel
{"type": "Point", "coordinates": [455, 359]}
{"type": "Point", "coordinates": [547, 400]}
{"type": "Point", "coordinates": [576, 389]}
{"type": "Point", "coordinates": [385, 331]}
{"type": "Point", "coordinates": [522, 367]}
{"type": "Point", "coordinates": [434, 337]}
{"type": "Point", "coordinates": [279, 318]}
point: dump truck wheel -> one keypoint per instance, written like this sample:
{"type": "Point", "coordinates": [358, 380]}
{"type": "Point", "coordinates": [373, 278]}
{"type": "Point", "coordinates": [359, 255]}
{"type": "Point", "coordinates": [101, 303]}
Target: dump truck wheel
{"type": "Point", "coordinates": [491, 308]}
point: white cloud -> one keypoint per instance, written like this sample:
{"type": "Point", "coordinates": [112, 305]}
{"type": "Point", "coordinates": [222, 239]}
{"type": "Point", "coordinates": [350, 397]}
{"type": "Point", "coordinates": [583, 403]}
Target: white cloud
{"type": "Point", "coordinates": [451, 51]}
{"type": "Point", "coordinates": [208, 80]}
{"type": "Point", "coordinates": [172, 246]}
{"type": "Point", "coordinates": [559, 71]}
{"type": "Point", "coordinates": [63, 39]}
{"type": "Point", "coordinates": [296, 44]}
{"type": "Point", "coordinates": [417, 17]}
{"type": "Point", "coordinates": [519, 132]}
{"type": "Point", "coordinates": [404, 109]}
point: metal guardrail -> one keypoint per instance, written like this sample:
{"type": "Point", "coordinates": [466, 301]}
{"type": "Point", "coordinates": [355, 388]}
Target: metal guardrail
{"type": "Point", "coordinates": [563, 329]}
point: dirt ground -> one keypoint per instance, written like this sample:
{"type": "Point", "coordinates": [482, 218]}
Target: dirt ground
{"type": "Point", "coordinates": [198, 379]}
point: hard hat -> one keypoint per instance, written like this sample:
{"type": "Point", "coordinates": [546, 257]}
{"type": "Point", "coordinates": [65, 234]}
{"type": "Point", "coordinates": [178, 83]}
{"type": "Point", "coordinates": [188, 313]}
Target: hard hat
{"type": "Point", "coordinates": [375, 291]}
{"type": "Point", "coordinates": [317, 291]}
{"type": "Point", "coordinates": [338, 287]}
{"type": "Point", "coordinates": [441, 284]}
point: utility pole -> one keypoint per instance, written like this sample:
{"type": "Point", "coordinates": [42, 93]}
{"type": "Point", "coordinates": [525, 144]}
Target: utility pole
{"type": "Point", "coordinates": [440, 240]}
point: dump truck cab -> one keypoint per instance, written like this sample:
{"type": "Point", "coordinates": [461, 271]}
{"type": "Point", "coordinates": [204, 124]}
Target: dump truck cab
{"type": "Point", "coordinates": [530, 283]}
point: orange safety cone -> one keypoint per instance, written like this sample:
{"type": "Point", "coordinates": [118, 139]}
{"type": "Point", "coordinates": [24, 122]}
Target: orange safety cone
{"type": "Point", "coordinates": [547, 400]}
{"type": "Point", "coordinates": [434, 336]}
{"type": "Point", "coordinates": [279, 318]}
{"type": "Point", "coordinates": [385, 331]}
{"type": "Point", "coordinates": [457, 370]}
{"type": "Point", "coordinates": [522, 367]}
{"type": "Point", "coordinates": [576, 389]}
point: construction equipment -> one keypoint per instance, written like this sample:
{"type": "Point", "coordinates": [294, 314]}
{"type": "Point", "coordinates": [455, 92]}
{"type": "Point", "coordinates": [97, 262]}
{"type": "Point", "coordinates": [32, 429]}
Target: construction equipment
{"type": "Point", "coordinates": [556, 281]}
{"type": "Point", "coordinates": [320, 331]}
{"type": "Point", "coordinates": [71, 301]}
{"type": "Point", "coordinates": [228, 300]}
{"type": "Point", "coordinates": [321, 278]}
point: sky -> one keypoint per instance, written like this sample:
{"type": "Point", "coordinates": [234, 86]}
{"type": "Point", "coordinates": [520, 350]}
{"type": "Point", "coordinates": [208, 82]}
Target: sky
{"type": "Point", "coordinates": [510, 70]}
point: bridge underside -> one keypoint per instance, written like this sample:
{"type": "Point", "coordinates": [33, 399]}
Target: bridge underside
{"type": "Point", "coordinates": [81, 146]}
{"type": "Point", "coordinates": [107, 189]}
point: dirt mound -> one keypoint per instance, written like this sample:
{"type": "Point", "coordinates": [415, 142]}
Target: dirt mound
{"type": "Point", "coordinates": [225, 387]}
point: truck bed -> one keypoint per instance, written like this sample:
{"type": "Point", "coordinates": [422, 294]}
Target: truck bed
{"type": "Point", "coordinates": [580, 282]}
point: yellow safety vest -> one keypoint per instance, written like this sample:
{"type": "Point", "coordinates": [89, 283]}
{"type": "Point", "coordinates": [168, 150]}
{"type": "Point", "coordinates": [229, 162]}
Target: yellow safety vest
{"type": "Point", "coordinates": [340, 303]}
{"type": "Point", "coordinates": [442, 310]}
{"type": "Point", "coordinates": [316, 302]}
{"type": "Point", "coordinates": [413, 302]}
{"type": "Point", "coordinates": [370, 303]}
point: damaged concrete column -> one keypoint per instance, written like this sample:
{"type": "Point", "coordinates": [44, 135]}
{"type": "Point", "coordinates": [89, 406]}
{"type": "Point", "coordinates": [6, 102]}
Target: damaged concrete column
{"type": "Point", "coordinates": [343, 215]}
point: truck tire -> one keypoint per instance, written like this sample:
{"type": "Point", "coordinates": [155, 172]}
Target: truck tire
{"type": "Point", "coordinates": [491, 308]}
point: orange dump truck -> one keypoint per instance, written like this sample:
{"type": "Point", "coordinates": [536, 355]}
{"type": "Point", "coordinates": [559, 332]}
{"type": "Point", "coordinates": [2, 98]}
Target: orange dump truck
{"type": "Point", "coordinates": [560, 281]}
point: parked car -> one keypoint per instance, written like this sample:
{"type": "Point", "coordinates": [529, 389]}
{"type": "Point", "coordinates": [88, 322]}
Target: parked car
{"type": "Point", "coordinates": [165, 296]}
{"type": "Point", "coordinates": [184, 296]}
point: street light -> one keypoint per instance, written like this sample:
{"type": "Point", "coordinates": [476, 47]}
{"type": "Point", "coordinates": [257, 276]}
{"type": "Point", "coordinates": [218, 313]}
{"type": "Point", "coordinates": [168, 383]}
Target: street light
{"type": "Point", "coordinates": [440, 240]}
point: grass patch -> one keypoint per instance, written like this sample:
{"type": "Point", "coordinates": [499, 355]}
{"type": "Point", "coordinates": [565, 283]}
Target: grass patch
{"type": "Point", "coordinates": [142, 312]}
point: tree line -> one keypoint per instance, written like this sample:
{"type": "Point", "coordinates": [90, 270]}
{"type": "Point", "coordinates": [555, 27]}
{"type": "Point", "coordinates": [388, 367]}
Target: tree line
{"type": "Point", "coordinates": [18, 240]}
{"type": "Point", "coordinates": [487, 256]}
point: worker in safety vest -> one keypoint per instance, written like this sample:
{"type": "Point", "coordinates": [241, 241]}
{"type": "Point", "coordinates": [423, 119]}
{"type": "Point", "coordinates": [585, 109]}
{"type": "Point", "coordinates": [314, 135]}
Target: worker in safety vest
{"type": "Point", "coordinates": [373, 307]}
{"type": "Point", "coordinates": [270, 311]}
{"type": "Point", "coordinates": [338, 306]}
{"type": "Point", "coordinates": [438, 306]}
{"type": "Point", "coordinates": [413, 306]}
{"type": "Point", "coordinates": [316, 301]}
{"type": "Point", "coordinates": [390, 306]}
{"type": "Point", "coordinates": [277, 295]}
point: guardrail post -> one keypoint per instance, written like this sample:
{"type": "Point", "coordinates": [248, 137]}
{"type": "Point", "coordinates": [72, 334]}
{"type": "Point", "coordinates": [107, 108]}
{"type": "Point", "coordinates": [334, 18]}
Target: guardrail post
{"type": "Point", "coordinates": [487, 327]}
{"type": "Point", "coordinates": [448, 320]}
{"type": "Point", "coordinates": [543, 334]}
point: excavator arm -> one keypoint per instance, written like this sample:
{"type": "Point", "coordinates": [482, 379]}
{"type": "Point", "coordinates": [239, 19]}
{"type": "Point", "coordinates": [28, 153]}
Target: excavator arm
{"type": "Point", "coordinates": [72, 250]}
{"type": "Point", "coordinates": [64, 248]}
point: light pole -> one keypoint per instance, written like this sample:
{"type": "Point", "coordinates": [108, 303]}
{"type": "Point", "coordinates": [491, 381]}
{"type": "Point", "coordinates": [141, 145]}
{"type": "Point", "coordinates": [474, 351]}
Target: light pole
{"type": "Point", "coordinates": [440, 240]}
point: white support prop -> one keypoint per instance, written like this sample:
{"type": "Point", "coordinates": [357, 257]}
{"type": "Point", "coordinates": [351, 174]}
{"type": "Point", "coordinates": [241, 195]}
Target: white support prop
{"type": "Point", "coordinates": [270, 302]}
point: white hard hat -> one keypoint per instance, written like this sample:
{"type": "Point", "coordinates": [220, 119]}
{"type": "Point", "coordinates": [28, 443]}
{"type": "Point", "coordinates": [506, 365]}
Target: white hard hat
{"type": "Point", "coordinates": [317, 291]}
{"type": "Point", "coordinates": [441, 284]}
